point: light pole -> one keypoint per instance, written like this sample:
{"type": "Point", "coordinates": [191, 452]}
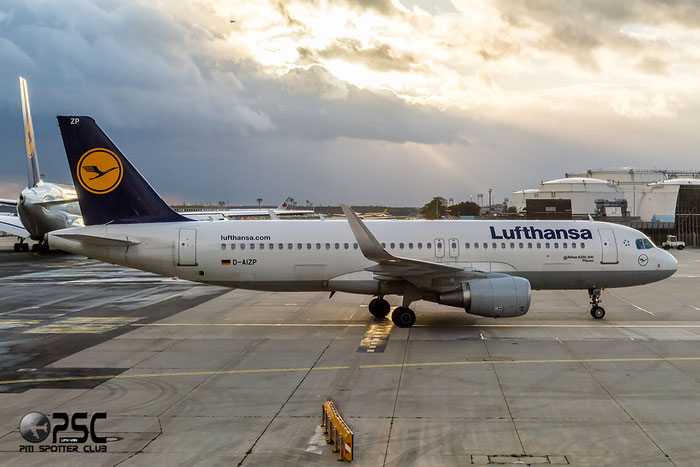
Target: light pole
{"type": "Point", "coordinates": [259, 202]}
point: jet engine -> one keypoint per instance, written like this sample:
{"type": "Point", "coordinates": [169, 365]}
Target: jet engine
{"type": "Point", "coordinates": [499, 297]}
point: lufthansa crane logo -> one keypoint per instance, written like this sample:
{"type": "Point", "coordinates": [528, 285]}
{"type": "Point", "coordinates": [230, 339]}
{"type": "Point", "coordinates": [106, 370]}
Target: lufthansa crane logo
{"type": "Point", "coordinates": [643, 260]}
{"type": "Point", "coordinates": [100, 171]}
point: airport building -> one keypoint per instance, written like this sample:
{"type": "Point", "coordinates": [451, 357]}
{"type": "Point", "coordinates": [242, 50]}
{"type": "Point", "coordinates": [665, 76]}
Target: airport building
{"type": "Point", "coordinates": [658, 202]}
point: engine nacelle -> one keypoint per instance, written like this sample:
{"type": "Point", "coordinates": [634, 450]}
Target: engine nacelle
{"type": "Point", "coordinates": [500, 297]}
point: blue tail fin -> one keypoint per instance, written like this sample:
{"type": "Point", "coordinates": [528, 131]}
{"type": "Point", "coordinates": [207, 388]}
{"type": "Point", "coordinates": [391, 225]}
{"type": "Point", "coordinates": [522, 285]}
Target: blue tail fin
{"type": "Point", "coordinates": [110, 189]}
{"type": "Point", "coordinates": [33, 174]}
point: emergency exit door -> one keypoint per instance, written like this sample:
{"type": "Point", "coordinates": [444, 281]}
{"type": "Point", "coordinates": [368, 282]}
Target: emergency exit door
{"type": "Point", "coordinates": [187, 247]}
{"type": "Point", "coordinates": [609, 246]}
{"type": "Point", "coordinates": [439, 248]}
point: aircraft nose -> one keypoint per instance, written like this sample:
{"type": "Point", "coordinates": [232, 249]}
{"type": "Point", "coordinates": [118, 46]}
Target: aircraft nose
{"type": "Point", "coordinates": [669, 262]}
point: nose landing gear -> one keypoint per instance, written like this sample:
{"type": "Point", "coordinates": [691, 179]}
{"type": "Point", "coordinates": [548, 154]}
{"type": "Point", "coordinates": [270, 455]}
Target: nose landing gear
{"type": "Point", "coordinates": [597, 311]}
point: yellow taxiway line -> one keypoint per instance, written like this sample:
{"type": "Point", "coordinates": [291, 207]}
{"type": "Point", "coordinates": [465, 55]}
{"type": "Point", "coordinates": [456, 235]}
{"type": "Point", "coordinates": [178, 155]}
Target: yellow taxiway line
{"type": "Point", "coordinates": [348, 367]}
{"type": "Point", "coordinates": [432, 326]}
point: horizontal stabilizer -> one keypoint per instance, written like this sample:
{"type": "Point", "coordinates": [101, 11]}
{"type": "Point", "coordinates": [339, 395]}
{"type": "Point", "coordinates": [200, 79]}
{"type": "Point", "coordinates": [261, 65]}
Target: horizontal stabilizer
{"type": "Point", "coordinates": [8, 202]}
{"type": "Point", "coordinates": [94, 240]}
{"type": "Point", "coordinates": [13, 226]}
{"type": "Point", "coordinates": [57, 201]}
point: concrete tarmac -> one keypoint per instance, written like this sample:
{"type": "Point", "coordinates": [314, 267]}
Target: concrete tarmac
{"type": "Point", "coordinates": [191, 374]}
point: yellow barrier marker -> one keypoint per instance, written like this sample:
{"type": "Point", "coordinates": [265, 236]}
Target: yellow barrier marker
{"type": "Point", "coordinates": [337, 432]}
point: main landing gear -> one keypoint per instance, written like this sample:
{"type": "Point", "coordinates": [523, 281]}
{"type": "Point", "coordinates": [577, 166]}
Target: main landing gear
{"type": "Point", "coordinates": [379, 307]}
{"type": "Point", "coordinates": [402, 316]}
{"type": "Point", "coordinates": [597, 311]}
{"type": "Point", "coordinates": [21, 246]}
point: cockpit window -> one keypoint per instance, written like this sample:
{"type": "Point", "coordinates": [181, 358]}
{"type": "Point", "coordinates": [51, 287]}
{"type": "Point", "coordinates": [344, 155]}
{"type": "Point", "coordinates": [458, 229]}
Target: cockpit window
{"type": "Point", "coordinates": [643, 244]}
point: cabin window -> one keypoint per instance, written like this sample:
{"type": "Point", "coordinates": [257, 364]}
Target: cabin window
{"type": "Point", "coordinates": [556, 244]}
{"type": "Point", "coordinates": [354, 246]}
{"type": "Point", "coordinates": [494, 245]}
{"type": "Point", "coordinates": [242, 246]}
{"type": "Point", "coordinates": [299, 246]}
{"type": "Point", "coordinates": [272, 246]}
{"type": "Point", "coordinates": [346, 246]}
{"type": "Point", "coordinates": [486, 245]}
{"type": "Point", "coordinates": [565, 245]}
{"type": "Point", "coordinates": [454, 246]}
{"type": "Point", "coordinates": [521, 245]}
{"type": "Point", "coordinates": [529, 245]}
{"type": "Point", "coordinates": [583, 245]}
{"type": "Point", "coordinates": [466, 245]}
{"type": "Point", "coordinates": [290, 246]}
{"type": "Point", "coordinates": [393, 245]}
{"type": "Point", "coordinates": [318, 246]}
{"type": "Point", "coordinates": [252, 246]}
{"type": "Point", "coordinates": [401, 245]}
{"type": "Point", "coordinates": [428, 245]}
{"type": "Point", "coordinates": [383, 245]}
{"type": "Point", "coordinates": [281, 246]}
{"type": "Point", "coordinates": [546, 245]}
{"type": "Point", "coordinates": [420, 246]}
{"type": "Point", "coordinates": [233, 246]}
{"type": "Point", "coordinates": [503, 245]}
{"type": "Point", "coordinates": [308, 246]}
{"type": "Point", "coordinates": [476, 245]}
{"type": "Point", "coordinates": [262, 246]}
{"type": "Point", "coordinates": [337, 246]}
{"type": "Point", "coordinates": [328, 246]}
{"type": "Point", "coordinates": [573, 244]}
{"type": "Point", "coordinates": [223, 246]}
{"type": "Point", "coordinates": [410, 246]}
{"type": "Point", "coordinates": [512, 245]}
{"type": "Point", "coordinates": [539, 245]}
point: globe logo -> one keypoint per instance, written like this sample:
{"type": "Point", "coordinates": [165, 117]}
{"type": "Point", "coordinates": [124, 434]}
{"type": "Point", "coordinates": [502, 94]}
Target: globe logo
{"type": "Point", "coordinates": [34, 427]}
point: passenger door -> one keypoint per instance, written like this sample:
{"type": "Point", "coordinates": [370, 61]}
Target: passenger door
{"type": "Point", "coordinates": [609, 246]}
{"type": "Point", "coordinates": [187, 247]}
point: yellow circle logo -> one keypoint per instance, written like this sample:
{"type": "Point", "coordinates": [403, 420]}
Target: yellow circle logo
{"type": "Point", "coordinates": [100, 171]}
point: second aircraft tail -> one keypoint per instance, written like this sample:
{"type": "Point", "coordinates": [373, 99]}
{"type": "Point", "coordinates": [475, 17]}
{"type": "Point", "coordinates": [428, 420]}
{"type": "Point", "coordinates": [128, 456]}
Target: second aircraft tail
{"type": "Point", "coordinates": [33, 174]}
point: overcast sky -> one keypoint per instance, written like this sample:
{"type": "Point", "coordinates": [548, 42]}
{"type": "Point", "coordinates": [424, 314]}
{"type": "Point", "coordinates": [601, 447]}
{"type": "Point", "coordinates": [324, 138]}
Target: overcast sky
{"type": "Point", "coordinates": [364, 102]}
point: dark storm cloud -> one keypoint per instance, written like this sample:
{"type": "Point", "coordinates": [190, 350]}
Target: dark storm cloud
{"type": "Point", "coordinates": [179, 107]}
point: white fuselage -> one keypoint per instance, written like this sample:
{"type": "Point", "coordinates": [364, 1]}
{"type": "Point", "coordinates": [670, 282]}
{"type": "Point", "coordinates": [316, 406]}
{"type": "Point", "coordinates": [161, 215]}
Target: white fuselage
{"type": "Point", "coordinates": [40, 216]}
{"type": "Point", "coordinates": [322, 255]}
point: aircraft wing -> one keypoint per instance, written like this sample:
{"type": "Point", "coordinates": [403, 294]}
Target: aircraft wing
{"type": "Point", "coordinates": [8, 202]}
{"type": "Point", "coordinates": [13, 226]}
{"type": "Point", "coordinates": [390, 267]}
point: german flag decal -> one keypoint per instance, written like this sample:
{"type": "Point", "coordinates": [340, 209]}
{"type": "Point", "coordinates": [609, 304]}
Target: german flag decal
{"type": "Point", "coordinates": [226, 262]}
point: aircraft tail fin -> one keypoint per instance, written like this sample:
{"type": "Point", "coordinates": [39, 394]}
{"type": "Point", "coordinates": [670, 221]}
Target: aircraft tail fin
{"type": "Point", "coordinates": [33, 174]}
{"type": "Point", "coordinates": [285, 204]}
{"type": "Point", "coordinates": [110, 189]}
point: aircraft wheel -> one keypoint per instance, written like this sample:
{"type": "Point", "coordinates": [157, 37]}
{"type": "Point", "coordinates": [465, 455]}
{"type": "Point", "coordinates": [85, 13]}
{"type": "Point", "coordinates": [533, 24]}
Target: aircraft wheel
{"type": "Point", "coordinates": [18, 247]}
{"type": "Point", "coordinates": [403, 317]}
{"type": "Point", "coordinates": [36, 247]}
{"type": "Point", "coordinates": [597, 312]}
{"type": "Point", "coordinates": [379, 308]}
{"type": "Point", "coordinates": [25, 247]}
